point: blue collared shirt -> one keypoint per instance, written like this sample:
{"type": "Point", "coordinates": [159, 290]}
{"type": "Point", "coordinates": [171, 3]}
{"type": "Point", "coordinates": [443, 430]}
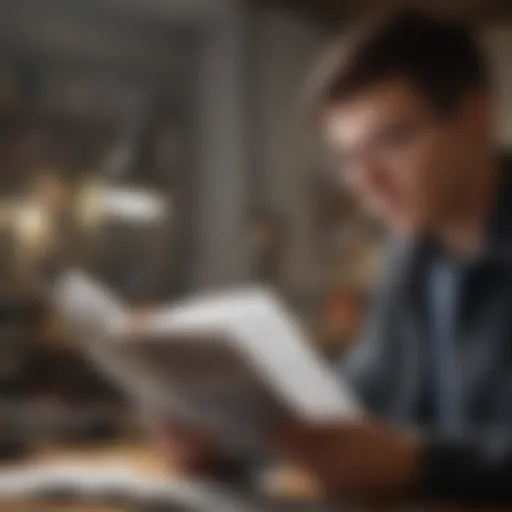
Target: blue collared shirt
{"type": "Point", "coordinates": [445, 290]}
{"type": "Point", "coordinates": [440, 335]}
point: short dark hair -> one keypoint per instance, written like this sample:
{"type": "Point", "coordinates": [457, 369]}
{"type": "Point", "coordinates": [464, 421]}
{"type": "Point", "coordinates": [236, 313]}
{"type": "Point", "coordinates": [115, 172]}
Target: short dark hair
{"type": "Point", "coordinates": [439, 56]}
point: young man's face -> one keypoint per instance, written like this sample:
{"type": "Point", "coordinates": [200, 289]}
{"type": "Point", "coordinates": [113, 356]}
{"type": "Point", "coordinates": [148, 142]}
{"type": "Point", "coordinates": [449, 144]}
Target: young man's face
{"type": "Point", "coordinates": [407, 163]}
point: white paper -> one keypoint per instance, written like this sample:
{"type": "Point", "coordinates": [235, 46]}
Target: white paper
{"type": "Point", "coordinates": [81, 483]}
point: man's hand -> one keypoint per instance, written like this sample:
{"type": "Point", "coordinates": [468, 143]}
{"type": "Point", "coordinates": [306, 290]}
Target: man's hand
{"type": "Point", "coordinates": [187, 450]}
{"type": "Point", "coordinates": [363, 460]}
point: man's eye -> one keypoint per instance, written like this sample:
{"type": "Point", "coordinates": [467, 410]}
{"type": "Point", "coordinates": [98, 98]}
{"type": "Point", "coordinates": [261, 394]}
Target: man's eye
{"type": "Point", "coordinates": [399, 135]}
{"type": "Point", "coordinates": [396, 137]}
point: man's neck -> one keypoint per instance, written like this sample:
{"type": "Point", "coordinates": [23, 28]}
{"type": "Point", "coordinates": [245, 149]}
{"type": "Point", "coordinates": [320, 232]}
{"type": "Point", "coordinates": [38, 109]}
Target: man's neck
{"type": "Point", "coordinates": [463, 231]}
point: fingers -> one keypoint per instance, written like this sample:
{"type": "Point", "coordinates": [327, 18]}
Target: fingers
{"type": "Point", "coordinates": [186, 450]}
{"type": "Point", "coordinates": [309, 447]}
{"type": "Point", "coordinates": [336, 455]}
{"type": "Point", "coordinates": [304, 438]}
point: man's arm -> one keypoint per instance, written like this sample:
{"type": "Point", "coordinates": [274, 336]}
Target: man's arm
{"type": "Point", "coordinates": [373, 462]}
{"type": "Point", "coordinates": [476, 470]}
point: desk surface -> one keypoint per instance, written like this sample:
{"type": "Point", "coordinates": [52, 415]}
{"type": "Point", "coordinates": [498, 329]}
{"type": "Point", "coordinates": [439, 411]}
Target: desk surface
{"type": "Point", "coordinates": [141, 458]}
{"type": "Point", "coordinates": [138, 457]}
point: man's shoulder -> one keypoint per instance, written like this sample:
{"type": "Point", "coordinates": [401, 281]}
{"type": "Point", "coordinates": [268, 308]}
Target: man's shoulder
{"type": "Point", "coordinates": [400, 258]}
{"type": "Point", "coordinates": [401, 248]}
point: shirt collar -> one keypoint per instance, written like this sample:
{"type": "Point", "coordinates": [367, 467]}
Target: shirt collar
{"type": "Point", "coordinates": [499, 233]}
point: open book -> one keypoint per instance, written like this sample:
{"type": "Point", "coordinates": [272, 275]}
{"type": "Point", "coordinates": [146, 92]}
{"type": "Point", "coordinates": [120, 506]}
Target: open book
{"type": "Point", "coordinates": [235, 361]}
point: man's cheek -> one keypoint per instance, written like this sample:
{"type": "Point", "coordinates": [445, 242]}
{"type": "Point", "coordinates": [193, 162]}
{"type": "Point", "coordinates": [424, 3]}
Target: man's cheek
{"type": "Point", "coordinates": [405, 209]}
{"type": "Point", "coordinates": [367, 196]}
{"type": "Point", "coordinates": [374, 205]}
{"type": "Point", "coordinates": [413, 189]}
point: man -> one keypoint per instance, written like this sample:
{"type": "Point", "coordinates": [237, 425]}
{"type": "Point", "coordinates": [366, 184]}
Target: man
{"type": "Point", "coordinates": [406, 106]}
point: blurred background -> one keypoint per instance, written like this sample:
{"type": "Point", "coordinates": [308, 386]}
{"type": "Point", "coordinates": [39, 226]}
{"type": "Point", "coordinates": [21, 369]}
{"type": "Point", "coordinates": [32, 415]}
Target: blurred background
{"type": "Point", "coordinates": [162, 145]}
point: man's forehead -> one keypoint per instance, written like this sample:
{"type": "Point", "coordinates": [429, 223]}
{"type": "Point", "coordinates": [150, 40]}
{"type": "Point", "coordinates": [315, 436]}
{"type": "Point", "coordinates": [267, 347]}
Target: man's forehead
{"type": "Point", "coordinates": [372, 108]}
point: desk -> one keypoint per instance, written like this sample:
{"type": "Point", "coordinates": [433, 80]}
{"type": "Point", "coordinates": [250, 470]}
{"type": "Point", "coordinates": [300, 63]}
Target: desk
{"type": "Point", "coordinates": [138, 457]}
{"type": "Point", "coordinates": [142, 459]}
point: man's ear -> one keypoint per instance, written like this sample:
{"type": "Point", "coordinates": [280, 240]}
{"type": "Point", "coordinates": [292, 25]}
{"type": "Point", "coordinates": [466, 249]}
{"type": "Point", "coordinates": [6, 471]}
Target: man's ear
{"type": "Point", "coordinates": [479, 114]}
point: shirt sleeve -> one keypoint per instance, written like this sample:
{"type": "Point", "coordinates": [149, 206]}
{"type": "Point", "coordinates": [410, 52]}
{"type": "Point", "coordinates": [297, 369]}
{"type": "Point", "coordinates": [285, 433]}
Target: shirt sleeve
{"type": "Point", "coordinates": [369, 366]}
{"type": "Point", "coordinates": [476, 470]}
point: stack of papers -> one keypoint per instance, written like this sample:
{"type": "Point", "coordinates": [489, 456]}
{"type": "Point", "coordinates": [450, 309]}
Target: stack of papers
{"type": "Point", "coordinates": [113, 484]}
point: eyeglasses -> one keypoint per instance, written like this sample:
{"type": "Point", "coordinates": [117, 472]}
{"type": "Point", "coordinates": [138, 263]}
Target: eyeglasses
{"type": "Point", "coordinates": [387, 145]}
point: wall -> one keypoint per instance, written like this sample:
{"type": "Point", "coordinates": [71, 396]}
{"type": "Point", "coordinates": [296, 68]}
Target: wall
{"type": "Point", "coordinates": [288, 47]}
{"type": "Point", "coordinates": [259, 152]}
{"type": "Point", "coordinates": [256, 149]}
{"type": "Point", "coordinates": [497, 40]}
{"type": "Point", "coordinates": [224, 161]}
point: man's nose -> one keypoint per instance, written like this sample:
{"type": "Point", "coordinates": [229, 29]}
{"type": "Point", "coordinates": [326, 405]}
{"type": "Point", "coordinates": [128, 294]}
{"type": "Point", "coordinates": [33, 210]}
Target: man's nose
{"type": "Point", "coordinates": [367, 175]}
